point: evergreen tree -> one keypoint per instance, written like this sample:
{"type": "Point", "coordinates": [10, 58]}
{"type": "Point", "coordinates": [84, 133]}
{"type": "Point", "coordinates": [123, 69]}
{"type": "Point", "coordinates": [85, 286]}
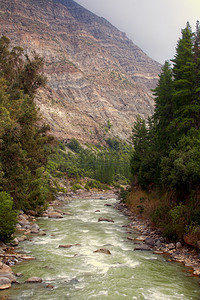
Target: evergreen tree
{"type": "Point", "coordinates": [184, 82]}
{"type": "Point", "coordinates": [164, 108]}
{"type": "Point", "coordinates": [22, 141]}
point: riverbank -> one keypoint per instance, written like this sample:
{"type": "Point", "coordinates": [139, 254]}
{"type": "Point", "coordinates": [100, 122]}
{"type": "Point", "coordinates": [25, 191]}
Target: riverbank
{"type": "Point", "coordinates": [151, 239]}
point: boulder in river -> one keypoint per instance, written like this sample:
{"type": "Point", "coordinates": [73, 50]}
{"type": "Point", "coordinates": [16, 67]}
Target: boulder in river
{"type": "Point", "coordinates": [142, 247]}
{"type": "Point", "coordinates": [105, 220]}
{"type": "Point", "coordinates": [68, 245]}
{"type": "Point", "coordinates": [35, 228]}
{"type": "Point", "coordinates": [8, 275]}
{"type": "Point", "coordinates": [5, 268]}
{"type": "Point", "coordinates": [103, 250]}
{"type": "Point", "coordinates": [65, 246]}
{"type": "Point", "coordinates": [5, 283]}
{"type": "Point", "coordinates": [54, 215]}
{"type": "Point", "coordinates": [34, 280]}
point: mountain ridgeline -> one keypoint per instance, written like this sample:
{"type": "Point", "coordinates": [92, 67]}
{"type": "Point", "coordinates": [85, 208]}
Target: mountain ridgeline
{"type": "Point", "coordinates": [96, 75]}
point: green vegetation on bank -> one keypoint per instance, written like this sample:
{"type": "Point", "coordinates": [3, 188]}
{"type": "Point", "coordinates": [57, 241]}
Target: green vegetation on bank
{"type": "Point", "coordinates": [109, 164]}
{"type": "Point", "coordinates": [167, 146]}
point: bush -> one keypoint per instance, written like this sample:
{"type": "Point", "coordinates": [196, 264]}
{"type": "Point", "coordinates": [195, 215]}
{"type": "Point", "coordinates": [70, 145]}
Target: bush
{"type": "Point", "coordinates": [95, 184]}
{"type": "Point", "coordinates": [74, 145]}
{"type": "Point", "coordinates": [123, 194]}
{"type": "Point", "coordinates": [7, 217]}
{"type": "Point", "coordinates": [76, 187]}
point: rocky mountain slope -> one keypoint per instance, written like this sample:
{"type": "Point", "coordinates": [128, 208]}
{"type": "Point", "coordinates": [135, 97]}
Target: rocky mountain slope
{"type": "Point", "coordinates": [98, 80]}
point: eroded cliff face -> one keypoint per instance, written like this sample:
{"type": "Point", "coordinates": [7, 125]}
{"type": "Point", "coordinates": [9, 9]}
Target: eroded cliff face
{"type": "Point", "coordinates": [95, 73]}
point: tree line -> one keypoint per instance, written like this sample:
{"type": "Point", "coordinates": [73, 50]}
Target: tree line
{"type": "Point", "coordinates": [167, 145]}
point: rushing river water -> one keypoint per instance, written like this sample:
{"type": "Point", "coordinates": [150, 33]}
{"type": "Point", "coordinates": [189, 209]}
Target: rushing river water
{"type": "Point", "coordinates": [80, 273]}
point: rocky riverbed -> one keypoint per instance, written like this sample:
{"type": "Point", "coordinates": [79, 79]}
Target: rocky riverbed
{"type": "Point", "coordinates": [148, 238]}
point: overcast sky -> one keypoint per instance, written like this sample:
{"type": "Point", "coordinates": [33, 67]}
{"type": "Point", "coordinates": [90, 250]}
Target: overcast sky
{"type": "Point", "coordinates": [153, 25]}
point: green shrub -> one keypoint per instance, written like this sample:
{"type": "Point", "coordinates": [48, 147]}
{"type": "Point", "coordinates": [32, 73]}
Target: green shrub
{"type": "Point", "coordinates": [74, 145]}
{"type": "Point", "coordinates": [76, 187]}
{"type": "Point", "coordinates": [123, 194]}
{"type": "Point", "coordinates": [161, 215]}
{"type": "Point", "coordinates": [7, 217]}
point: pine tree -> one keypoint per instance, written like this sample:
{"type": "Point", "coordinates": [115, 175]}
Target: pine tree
{"type": "Point", "coordinates": [164, 108]}
{"type": "Point", "coordinates": [184, 84]}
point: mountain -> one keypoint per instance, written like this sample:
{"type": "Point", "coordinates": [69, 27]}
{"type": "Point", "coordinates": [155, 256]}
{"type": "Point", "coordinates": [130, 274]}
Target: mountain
{"type": "Point", "coordinates": [98, 80]}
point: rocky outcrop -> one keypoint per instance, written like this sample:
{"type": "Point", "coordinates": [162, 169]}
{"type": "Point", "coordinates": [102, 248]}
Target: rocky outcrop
{"type": "Point", "coordinates": [95, 73]}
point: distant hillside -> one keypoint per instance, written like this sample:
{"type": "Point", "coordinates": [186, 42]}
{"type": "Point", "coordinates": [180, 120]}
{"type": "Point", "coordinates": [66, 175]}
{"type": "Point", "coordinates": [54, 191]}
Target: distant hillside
{"type": "Point", "coordinates": [98, 80]}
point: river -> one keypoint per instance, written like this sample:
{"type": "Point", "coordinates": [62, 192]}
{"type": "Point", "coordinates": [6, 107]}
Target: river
{"type": "Point", "coordinates": [80, 273]}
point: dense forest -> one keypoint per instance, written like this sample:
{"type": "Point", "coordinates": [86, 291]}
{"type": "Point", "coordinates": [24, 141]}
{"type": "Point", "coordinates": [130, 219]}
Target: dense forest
{"type": "Point", "coordinates": [167, 146]}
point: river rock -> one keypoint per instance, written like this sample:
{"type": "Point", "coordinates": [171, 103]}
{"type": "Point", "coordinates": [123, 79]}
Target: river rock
{"type": "Point", "coordinates": [103, 250]}
{"type": "Point", "coordinates": [65, 246]}
{"type": "Point", "coordinates": [35, 228]}
{"type": "Point", "coordinates": [142, 247]}
{"type": "Point", "coordinates": [158, 252]}
{"type": "Point", "coordinates": [19, 274]}
{"type": "Point", "coordinates": [66, 213]}
{"type": "Point", "coordinates": [130, 238]}
{"type": "Point", "coordinates": [5, 268]}
{"type": "Point", "coordinates": [8, 275]}
{"type": "Point", "coordinates": [140, 238]}
{"type": "Point", "coordinates": [26, 257]}
{"type": "Point", "coordinates": [5, 283]}
{"type": "Point", "coordinates": [41, 233]}
{"type": "Point", "coordinates": [107, 204]}
{"type": "Point", "coordinates": [196, 273]}
{"type": "Point", "coordinates": [54, 215]}
{"type": "Point", "coordinates": [74, 281]}
{"type": "Point", "coordinates": [22, 238]}
{"type": "Point", "coordinates": [105, 220]}
{"type": "Point", "coordinates": [149, 241]}
{"type": "Point", "coordinates": [178, 245]}
{"type": "Point", "coordinates": [171, 246]}
{"type": "Point", "coordinates": [34, 280]}
{"type": "Point", "coordinates": [15, 242]}
{"type": "Point", "coordinates": [49, 286]}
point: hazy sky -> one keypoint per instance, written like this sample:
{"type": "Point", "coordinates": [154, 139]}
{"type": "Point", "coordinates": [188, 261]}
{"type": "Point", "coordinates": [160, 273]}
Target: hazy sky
{"type": "Point", "coordinates": [153, 25]}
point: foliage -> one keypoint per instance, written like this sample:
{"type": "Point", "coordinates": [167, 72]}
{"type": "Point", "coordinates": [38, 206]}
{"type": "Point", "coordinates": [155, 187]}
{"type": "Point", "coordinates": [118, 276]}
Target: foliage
{"type": "Point", "coordinates": [91, 184]}
{"type": "Point", "coordinates": [167, 146]}
{"type": "Point", "coordinates": [22, 141]}
{"type": "Point", "coordinates": [108, 164]}
{"type": "Point", "coordinates": [76, 187]}
{"type": "Point", "coordinates": [8, 217]}
{"type": "Point", "coordinates": [124, 193]}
